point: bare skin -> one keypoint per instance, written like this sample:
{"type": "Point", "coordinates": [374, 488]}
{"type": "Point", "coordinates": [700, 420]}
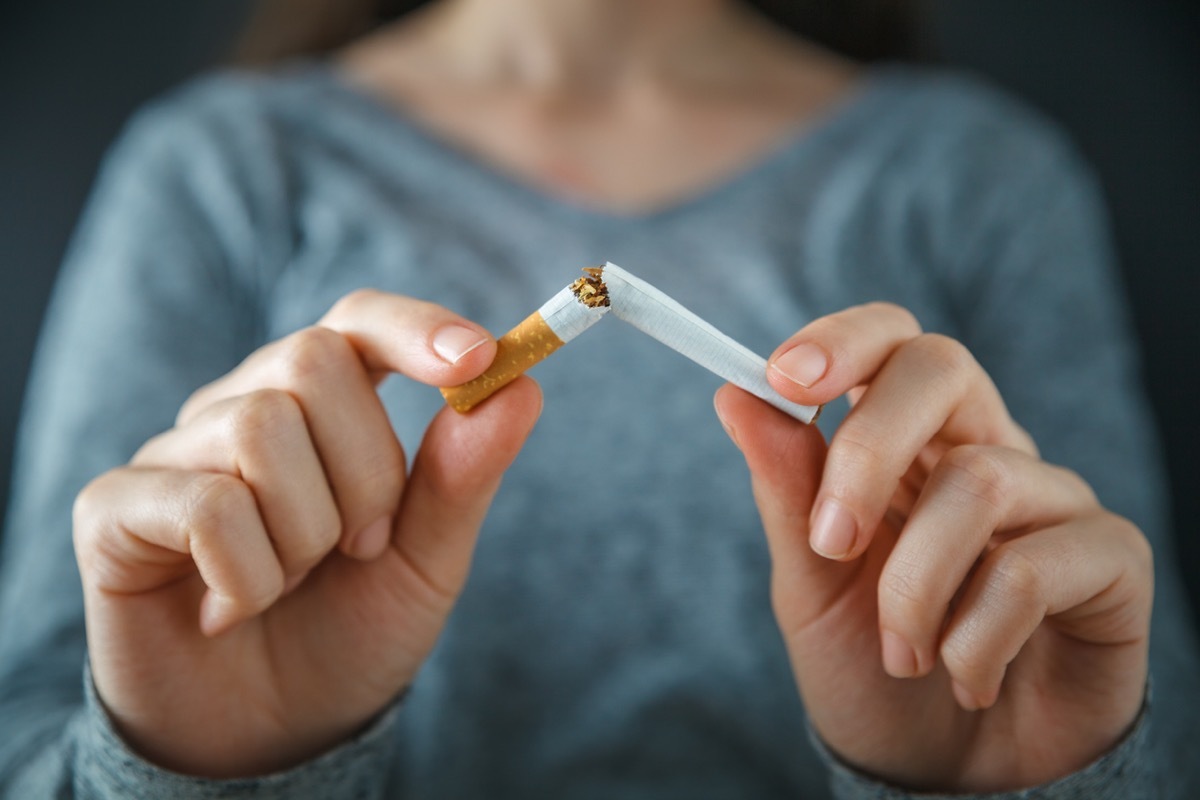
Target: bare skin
{"type": "Point", "coordinates": [971, 618]}
{"type": "Point", "coordinates": [622, 106]}
{"type": "Point", "coordinates": [960, 615]}
{"type": "Point", "coordinates": [266, 570]}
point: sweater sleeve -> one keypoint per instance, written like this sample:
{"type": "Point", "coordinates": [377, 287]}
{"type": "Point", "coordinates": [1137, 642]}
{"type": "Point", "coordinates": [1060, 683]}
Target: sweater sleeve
{"type": "Point", "coordinates": [105, 767]}
{"type": "Point", "coordinates": [157, 297]}
{"type": "Point", "coordinates": [1124, 773]}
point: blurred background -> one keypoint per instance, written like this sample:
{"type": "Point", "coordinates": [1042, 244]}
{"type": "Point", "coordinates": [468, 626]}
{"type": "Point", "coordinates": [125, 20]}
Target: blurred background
{"type": "Point", "coordinates": [1122, 76]}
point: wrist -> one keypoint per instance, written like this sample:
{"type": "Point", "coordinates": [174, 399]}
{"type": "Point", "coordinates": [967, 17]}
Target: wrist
{"type": "Point", "coordinates": [110, 767]}
{"type": "Point", "coordinates": [1125, 772]}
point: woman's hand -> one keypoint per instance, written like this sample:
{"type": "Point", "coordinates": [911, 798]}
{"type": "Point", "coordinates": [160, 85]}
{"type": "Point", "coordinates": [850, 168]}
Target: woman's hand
{"type": "Point", "coordinates": [960, 615]}
{"type": "Point", "coordinates": [262, 579]}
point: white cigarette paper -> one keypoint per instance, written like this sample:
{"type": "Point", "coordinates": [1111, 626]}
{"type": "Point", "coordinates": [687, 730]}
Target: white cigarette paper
{"type": "Point", "coordinates": [657, 315]}
{"type": "Point", "coordinates": [567, 316]}
{"type": "Point", "coordinates": [564, 316]}
{"type": "Point", "coordinates": [579, 306]}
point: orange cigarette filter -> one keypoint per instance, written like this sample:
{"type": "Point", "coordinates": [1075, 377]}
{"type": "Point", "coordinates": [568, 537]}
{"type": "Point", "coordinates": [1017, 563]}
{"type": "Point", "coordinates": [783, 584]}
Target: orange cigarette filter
{"type": "Point", "coordinates": [560, 319]}
{"type": "Point", "coordinates": [516, 351]}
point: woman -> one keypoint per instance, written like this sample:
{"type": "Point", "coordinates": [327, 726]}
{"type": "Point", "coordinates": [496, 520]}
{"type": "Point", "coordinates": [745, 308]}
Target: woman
{"type": "Point", "coordinates": [269, 591]}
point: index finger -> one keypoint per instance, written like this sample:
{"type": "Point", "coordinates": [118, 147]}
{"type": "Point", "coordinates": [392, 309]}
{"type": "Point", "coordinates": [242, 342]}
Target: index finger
{"type": "Point", "coordinates": [386, 333]}
{"type": "Point", "coordinates": [420, 340]}
{"type": "Point", "coordinates": [832, 355]}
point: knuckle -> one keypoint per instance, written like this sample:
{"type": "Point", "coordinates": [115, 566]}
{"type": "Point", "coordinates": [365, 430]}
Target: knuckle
{"type": "Point", "coordinates": [857, 464]}
{"type": "Point", "coordinates": [904, 319]}
{"type": "Point", "coordinates": [89, 514]}
{"type": "Point", "coordinates": [195, 402]}
{"type": "Point", "coordinates": [950, 355]}
{"type": "Point", "coordinates": [382, 475]}
{"type": "Point", "coordinates": [215, 502]}
{"type": "Point", "coordinates": [88, 504]}
{"type": "Point", "coordinates": [1016, 577]}
{"type": "Point", "coordinates": [372, 486]}
{"type": "Point", "coordinates": [311, 353]}
{"type": "Point", "coordinates": [321, 536]}
{"type": "Point", "coordinates": [857, 447]}
{"type": "Point", "coordinates": [265, 414]}
{"type": "Point", "coordinates": [327, 528]}
{"type": "Point", "coordinates": [1141, 566]}
{"type": "Point", "coordinates": [981, 472]}
{"type": "Point", "coordinates": [145, 454]}
{"type": "Point", "coordinates": [903, 602]}
{"type": "Point", "coordinates": [1140, 551]}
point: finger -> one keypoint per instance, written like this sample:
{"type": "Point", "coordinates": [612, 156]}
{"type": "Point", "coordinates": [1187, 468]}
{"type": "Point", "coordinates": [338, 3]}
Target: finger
{"type": "Point", "coordinates": [784, 458]}
{"type": "Point", "coordinates": [420, 340]}
{"type": "Point", "coordinates": [974, 492]}
{"type": "Point", "coordinates": [361, 456]}
{"type": "Point", "coordinates": [137, 530]}
{"type": "Point", "coordinates": [930, 385]}
{"type": "Point", "coordinates": [387, 332]}
{"type": "Point", "coordinates": [836, 353]}
{"type": "Point", "coordinates": [456, 475]}
{"type": "Point", "coordinates": [261, 438]}
{"type": "Point", "coordinates": [1092, 577]}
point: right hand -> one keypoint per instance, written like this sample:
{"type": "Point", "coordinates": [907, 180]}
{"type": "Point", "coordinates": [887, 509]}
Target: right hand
{"type": "Point", "coordinates": [264, 578]}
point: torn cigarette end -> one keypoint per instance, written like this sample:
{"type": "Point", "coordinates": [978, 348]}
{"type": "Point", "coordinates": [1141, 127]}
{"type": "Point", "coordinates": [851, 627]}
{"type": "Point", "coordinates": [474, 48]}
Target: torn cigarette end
{"type": "Point", "coordinates": [590, 289]}
{"type": "Point", "coordinates": [563, 317]}
{"type": "Point", "coordinates": [516, 351]}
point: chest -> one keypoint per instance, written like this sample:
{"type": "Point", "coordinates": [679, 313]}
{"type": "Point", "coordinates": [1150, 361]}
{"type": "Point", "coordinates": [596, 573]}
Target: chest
{"type": "Point", "coordinates": [628, 153]}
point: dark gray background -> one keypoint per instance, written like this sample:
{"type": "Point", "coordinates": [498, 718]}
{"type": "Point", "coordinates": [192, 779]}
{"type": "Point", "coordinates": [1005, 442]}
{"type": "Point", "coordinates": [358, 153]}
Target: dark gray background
{"type": "Point", "coordinates": [1123, 76]}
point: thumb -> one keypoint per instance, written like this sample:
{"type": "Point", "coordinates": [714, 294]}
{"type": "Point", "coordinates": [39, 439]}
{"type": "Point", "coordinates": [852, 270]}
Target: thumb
{"type": "Point", "coordinates": [457, 472]}
{"type": "Point", "coordinates": [786, 458]}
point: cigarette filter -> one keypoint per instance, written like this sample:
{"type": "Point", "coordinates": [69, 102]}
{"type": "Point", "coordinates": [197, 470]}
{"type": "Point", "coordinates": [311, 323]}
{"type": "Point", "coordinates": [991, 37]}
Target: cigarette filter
{"type": "Point", "coordinates": [610, 288]}
{"type": "Point", "coordinates": [564, 316]}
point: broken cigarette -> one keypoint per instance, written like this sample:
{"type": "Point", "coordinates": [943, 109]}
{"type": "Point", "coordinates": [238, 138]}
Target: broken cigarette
{"type": "Point", "coordinates": [582, 304]}
{"type": "Point", "coordinates": [560, 319]}
{"type": "Point", "coordinates": [654, 313]}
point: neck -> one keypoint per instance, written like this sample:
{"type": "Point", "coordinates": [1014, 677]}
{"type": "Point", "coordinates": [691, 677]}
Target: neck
{"type": "Point", "coordinates": [553, 44]}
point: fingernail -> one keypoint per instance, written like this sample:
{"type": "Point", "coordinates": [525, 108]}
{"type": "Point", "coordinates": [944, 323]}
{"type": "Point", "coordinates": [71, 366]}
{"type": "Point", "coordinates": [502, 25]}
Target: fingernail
{"type": "Point", "coordinates": [834, 530]}
{"type": "Point", "coordinates": [291, 583]}
{"type": "Point", "coordinates": [965, 697]}
{"type": "Point", "coordinates": [899, 659]}
{"type": "Point", "coordinates": [372, 540]}
{"type": "Point", "coordinates": [729, 429]}
{"type": "Point", "coordinates": [215, 613]}
{"type": "Point", "coordinates": [453, 342]}
{"type": "Point", "coordinates": [804, 364]}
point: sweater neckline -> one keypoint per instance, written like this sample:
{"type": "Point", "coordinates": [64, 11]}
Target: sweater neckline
{"type": "Point", "coordinates": [802, 139]}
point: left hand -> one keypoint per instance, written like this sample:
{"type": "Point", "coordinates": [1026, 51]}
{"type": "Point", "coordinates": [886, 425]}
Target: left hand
{"type": "Point", "coordinates": [960, 615]}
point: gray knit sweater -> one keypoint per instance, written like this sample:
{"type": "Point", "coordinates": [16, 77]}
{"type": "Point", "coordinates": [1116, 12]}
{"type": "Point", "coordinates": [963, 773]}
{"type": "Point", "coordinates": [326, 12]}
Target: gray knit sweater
{"type": "Point", "coordinates": [629, 651]}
